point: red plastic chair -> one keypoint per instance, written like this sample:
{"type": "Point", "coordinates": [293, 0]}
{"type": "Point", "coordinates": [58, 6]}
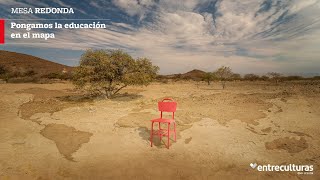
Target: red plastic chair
{"type": "Point", "coordinates": [166, 105]}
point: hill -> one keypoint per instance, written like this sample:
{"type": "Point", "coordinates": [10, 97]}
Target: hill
{"type": "Point", "coordinates": [22, 63]}
{"type": "Point", "coordinates": [194, 74]}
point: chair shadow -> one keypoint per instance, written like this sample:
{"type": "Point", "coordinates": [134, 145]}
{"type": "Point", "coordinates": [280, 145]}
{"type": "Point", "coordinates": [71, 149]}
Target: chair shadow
{"type": "Point", "coordinates": [144, 133]}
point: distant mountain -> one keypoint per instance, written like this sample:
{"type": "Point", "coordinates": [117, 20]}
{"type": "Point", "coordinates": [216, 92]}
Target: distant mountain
{"type": "Point", "coordinates": [194, 75]}
{"type": "Point", "coordinates": [13, 61]}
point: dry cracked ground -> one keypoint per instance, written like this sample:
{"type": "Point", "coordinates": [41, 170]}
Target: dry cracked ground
{"type": "Point", "coordinates": [49, 131]}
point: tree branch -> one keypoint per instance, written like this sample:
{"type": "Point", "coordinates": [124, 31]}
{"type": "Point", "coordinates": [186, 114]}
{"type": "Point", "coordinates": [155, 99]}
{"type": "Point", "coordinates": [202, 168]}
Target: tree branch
{"type": "Point", "coordinates": [119, 89]}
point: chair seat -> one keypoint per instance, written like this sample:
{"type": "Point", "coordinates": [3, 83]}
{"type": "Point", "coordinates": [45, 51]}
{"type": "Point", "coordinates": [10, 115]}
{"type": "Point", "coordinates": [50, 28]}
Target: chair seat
{"type": "Point", "coordinates": [161, 120]}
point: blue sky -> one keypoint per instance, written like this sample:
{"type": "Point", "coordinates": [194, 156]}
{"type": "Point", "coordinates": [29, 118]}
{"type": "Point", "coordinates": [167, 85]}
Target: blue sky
{"type": "Point", "coordinates": [250, 36]}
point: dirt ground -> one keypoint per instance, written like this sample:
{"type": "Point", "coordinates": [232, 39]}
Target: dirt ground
{"type": "Point", "coordinates": [48, 131]}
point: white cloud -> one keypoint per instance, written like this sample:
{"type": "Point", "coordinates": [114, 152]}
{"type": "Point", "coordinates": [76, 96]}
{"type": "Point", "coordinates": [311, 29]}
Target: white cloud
{"type": "Point", "coordinates": [179, 38]}
{"type": "Point", "coordinates": [134, 7]}
{"type": "Point", "coordinates": [299, 5]}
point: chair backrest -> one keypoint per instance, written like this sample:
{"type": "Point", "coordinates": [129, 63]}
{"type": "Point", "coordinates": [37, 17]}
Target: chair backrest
{"type": "Point", "coordinates": [167, 105]}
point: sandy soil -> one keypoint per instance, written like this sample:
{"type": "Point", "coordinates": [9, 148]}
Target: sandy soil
{"type": "Point", "coordinates": [47, 131]}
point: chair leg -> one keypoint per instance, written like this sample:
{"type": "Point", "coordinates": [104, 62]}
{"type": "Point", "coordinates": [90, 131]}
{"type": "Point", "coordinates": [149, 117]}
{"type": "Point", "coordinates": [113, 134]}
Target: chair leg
{"type": "Point", "coordinates": [159, 133]}
{"type": "Point", "coordinates": [175, 132]}
{"type": "Point", "coordinates": [151, 133]}
{"type": "Point", "coordinates": [168, 135]}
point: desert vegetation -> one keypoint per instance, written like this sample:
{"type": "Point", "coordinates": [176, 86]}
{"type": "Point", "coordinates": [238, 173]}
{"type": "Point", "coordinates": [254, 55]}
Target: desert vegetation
{"type": "Point", "coordinates": [119, 68]}
{"type": "Point", "coordinates": [106, 72]}
{"type": "Point", "coordinates": [25, 76]}
{"type": "Point", "coordinates": [22, 68]}
{"type": "Point", "coordinates": [223, 73]}
{"type": "Point", "coordinates": [209, 77]}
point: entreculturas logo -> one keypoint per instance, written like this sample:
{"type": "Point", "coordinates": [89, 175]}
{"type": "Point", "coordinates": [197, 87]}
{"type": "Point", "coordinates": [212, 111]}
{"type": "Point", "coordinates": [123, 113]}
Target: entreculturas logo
{"type": "Point", "coordinates": [300, 169]}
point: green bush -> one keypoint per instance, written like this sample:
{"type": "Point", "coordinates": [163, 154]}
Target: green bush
{"type": "Point", "coordinates": [208, 77]}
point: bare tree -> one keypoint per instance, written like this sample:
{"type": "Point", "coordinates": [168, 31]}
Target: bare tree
{"type": "Point", "coordinates": [223, 73]}
{"type": "Point", "coordinates": [274, 76]}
